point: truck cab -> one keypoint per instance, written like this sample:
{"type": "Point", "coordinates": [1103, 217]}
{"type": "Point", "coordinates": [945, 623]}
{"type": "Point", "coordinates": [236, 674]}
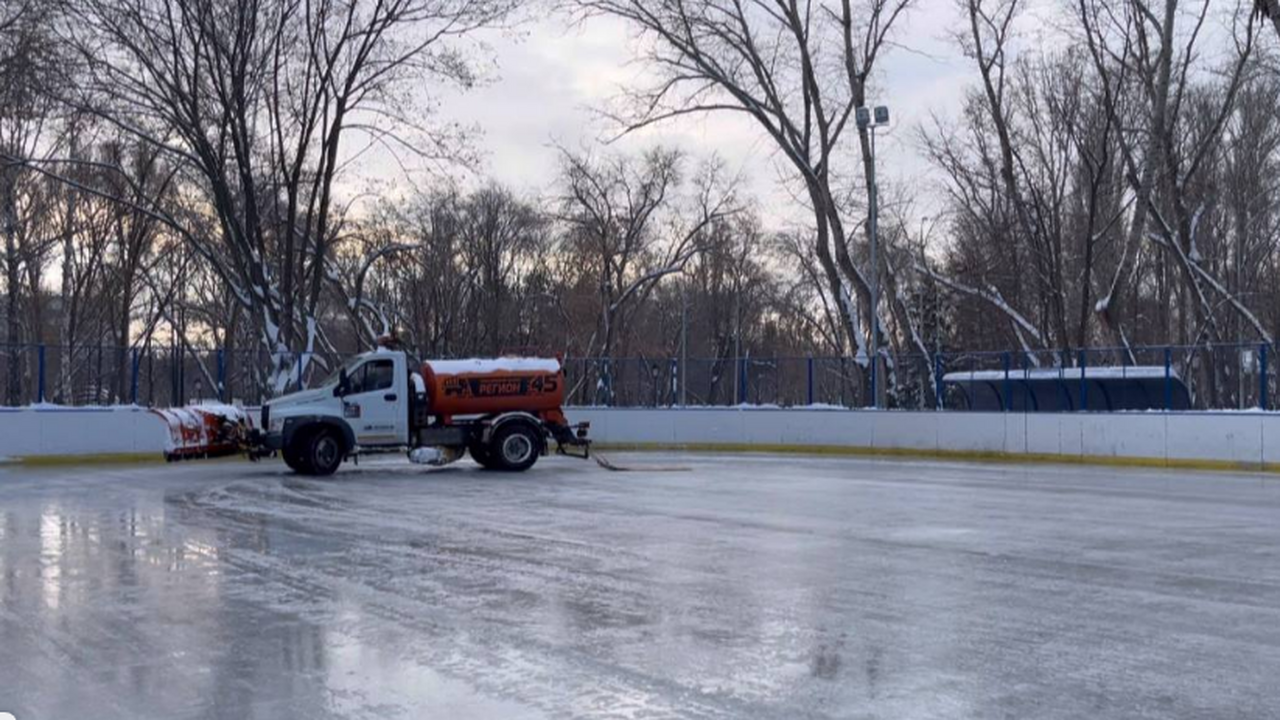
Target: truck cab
{"type": "Point", "coordinates": [378, 403]}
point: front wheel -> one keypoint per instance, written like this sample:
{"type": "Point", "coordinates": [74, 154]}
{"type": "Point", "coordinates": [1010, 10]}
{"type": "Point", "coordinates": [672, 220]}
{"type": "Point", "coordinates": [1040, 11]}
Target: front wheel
{"type": "Point", "coordinates": [296, 460]}
{"type": "Point", "coordinates": [324, 452]}
{"type": "Point", "coordinates": [514, 447]}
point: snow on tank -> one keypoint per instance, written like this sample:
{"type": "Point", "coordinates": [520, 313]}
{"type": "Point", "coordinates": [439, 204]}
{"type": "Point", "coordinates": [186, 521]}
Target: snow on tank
{"type": "Point", "coordinates": [481, 366]}
{"type": "Point", "coordinates": [489, 386]}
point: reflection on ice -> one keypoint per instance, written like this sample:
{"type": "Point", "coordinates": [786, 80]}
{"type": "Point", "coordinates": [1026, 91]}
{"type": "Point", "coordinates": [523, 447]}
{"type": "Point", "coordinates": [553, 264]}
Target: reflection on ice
{"type": "Point", "coordinates": [53, 544]}
{"type": "Point", "coordinates": [385, 676]}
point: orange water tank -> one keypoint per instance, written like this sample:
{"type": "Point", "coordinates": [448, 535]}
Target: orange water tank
{"type": "Point", "coordinates": [481, 387]}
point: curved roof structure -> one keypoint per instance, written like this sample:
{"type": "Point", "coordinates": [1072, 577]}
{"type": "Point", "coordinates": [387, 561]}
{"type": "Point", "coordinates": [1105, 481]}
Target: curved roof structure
{"type": "Point", "coordinates": [1070, 389]}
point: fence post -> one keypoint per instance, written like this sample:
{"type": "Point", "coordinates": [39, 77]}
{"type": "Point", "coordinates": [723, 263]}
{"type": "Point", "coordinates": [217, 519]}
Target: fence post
{"type": "Point", "coordinates": [1030, 403]}
{"type": "Point", "coordinates": [1262, 376]}
{"type": "Point", "coordinates": [300, 370]}
{"type": "Point", "coordinates": [742, 381]}
{"type": "Point", "coordinates": [653, 378]}
{"type": "Point", "coordinates": [1008, 389]}
{"type": "Point", "coordinates": [875, 378]}
{"type": "Point", "coordinates": [677, 382]}
{"type": "Point", "coordinates": [937, 380]}
{"type": "Point", "coordinates": [133, 378]}
{"type": "Point", "coordinates": [1168, 379]}
{"type": "Point", "coordinates": [1064, 395]}
{"type": "Point", "coordinates": [222, 375]}
{"type": "Point", "coordinates": [777, 381]}
{"type": "Point", "coordinates": [809, 379]}
{"type": "Point", "coordinates": [40, 374]}
{"type": "Point", "coordinates": [1084, 384]}
{"type": "Point", "coordinates": [605, 382]}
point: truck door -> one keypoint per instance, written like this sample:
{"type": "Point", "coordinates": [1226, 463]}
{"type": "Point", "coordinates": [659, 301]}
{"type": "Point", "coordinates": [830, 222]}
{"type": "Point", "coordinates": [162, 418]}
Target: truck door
{"type": "Point", "coordinates": [375, 403]}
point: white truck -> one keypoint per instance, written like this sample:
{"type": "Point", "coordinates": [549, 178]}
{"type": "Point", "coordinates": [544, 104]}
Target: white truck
{"type": "Point", "coordinates": [503, 411]}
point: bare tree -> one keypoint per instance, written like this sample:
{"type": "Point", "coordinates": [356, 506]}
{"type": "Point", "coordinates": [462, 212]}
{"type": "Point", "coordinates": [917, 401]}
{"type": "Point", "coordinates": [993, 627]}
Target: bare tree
{"type": "Point", "coordinates": [771, 60]}
{"type": "Point", "coordinates": [259, 106]}
{"type": "Point", "coordinates": [628, 230]}
{"type": "Point", "coordinates": [1158, 164]}
{"type": "Point", "coordinates": [27, 127]}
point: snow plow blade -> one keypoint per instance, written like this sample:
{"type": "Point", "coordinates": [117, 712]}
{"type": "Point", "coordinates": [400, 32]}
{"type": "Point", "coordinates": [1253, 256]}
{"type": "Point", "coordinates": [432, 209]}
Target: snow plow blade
{"type": "Point", "coordinates": [205, 431]}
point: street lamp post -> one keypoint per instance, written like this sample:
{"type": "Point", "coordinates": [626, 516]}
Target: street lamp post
{"type": "Point", "coordinates": [869, 122]}
{"type": "Point", "coordinates": [684, 344]}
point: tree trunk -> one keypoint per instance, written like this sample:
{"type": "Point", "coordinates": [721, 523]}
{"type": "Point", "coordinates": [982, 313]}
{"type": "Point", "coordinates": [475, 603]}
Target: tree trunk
{"type": "Point", "coordinates": [13, 279]}
{"type": "Point", "coordinates": [1111, 310]}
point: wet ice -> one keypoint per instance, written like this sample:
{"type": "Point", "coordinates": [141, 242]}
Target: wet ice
{"type": "Point", "coordinates": [748, 587]}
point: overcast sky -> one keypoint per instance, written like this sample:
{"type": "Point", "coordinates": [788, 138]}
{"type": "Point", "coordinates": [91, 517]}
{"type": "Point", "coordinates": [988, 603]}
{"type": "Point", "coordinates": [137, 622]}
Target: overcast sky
{"type": "Point", "coordinates": [550, 76]}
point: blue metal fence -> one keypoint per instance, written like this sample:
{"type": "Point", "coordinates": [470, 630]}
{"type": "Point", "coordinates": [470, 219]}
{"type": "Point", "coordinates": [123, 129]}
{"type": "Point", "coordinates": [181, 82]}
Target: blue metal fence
{"type": "Point", "coordinates": [149, 376]}
{"type": "Point", "coordinates": [1234, 376]}
{"type": "Point", "coordinates": [1218, 377]}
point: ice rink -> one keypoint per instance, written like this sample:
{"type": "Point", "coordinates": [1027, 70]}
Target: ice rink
{"type": "Point", "coordinates": [744, 587]}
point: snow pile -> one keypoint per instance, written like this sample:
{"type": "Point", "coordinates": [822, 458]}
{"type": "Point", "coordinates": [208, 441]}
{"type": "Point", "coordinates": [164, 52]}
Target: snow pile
{"type": "Point", "coordinates": [425, 455]}
{"type": "Point", "coordinates": [434, 456]}
{"type": "Point", "coordinates": [228, 412]}
{"type": "Point", "coordinates": [48, 406]}
{"type": "Point", "coordinates": [479, 366]}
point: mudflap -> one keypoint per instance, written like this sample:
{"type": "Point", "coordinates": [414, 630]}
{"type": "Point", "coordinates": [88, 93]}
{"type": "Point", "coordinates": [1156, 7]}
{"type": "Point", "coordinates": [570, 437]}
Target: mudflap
{"type": "Point", "coordinates": [571, 441]}
{"type": "Point", "coordinates": [579, 450]}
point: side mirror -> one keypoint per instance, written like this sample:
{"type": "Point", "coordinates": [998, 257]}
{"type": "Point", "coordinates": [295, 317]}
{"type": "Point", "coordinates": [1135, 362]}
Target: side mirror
{"type": "Point", "coordinates": [343, 385]}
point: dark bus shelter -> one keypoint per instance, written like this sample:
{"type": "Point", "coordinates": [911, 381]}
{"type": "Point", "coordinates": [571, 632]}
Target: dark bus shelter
{"type": "Point", "coordinates": [1065, 390]}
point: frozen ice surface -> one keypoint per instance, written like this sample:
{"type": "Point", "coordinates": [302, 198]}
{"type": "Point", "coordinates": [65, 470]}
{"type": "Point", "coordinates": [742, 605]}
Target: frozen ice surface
{"type": "Point", "coordinates": [749, 587]}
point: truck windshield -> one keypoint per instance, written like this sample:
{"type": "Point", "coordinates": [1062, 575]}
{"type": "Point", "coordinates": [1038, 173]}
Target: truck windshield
{"type": "Point", "coordinates": [349, 365]}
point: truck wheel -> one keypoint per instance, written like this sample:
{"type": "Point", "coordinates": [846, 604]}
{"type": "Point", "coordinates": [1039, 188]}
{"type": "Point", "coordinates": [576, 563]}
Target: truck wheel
{"type": "Point", "coordinates": [480, 453]}
{"type": "Point", "coordinates": [324, 452]}
{"type": "Point", "coordinates": [295, 460]}
{"type": "Point", "coordinates": [514, 447]}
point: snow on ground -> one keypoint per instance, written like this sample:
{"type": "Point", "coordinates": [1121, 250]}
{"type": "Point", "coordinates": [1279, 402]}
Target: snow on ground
{"type": "Point", "coordinates": [748, 587]}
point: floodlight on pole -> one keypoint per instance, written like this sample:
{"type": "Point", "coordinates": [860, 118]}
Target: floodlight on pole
{"type": "Point", "coordinates": [867, 121]}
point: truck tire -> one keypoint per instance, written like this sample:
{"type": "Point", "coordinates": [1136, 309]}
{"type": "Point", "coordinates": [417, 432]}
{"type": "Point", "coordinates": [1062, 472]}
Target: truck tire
{"type": "Point", "coordinates": [296, 461]}
{"type": "Point", "coordinates": [323, 452]}
{"type": "Point", "coordinates": [480, 453]}
{"type": "Point", "coordinates": [514, 447]}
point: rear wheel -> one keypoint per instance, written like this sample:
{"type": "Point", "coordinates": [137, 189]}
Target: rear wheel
{"type": "Point", "coordinates": [480, 453]}
{"type": "Point", "coordinates": [324, 452]}
{"type": "Point", "coordinates": [515, 447]}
